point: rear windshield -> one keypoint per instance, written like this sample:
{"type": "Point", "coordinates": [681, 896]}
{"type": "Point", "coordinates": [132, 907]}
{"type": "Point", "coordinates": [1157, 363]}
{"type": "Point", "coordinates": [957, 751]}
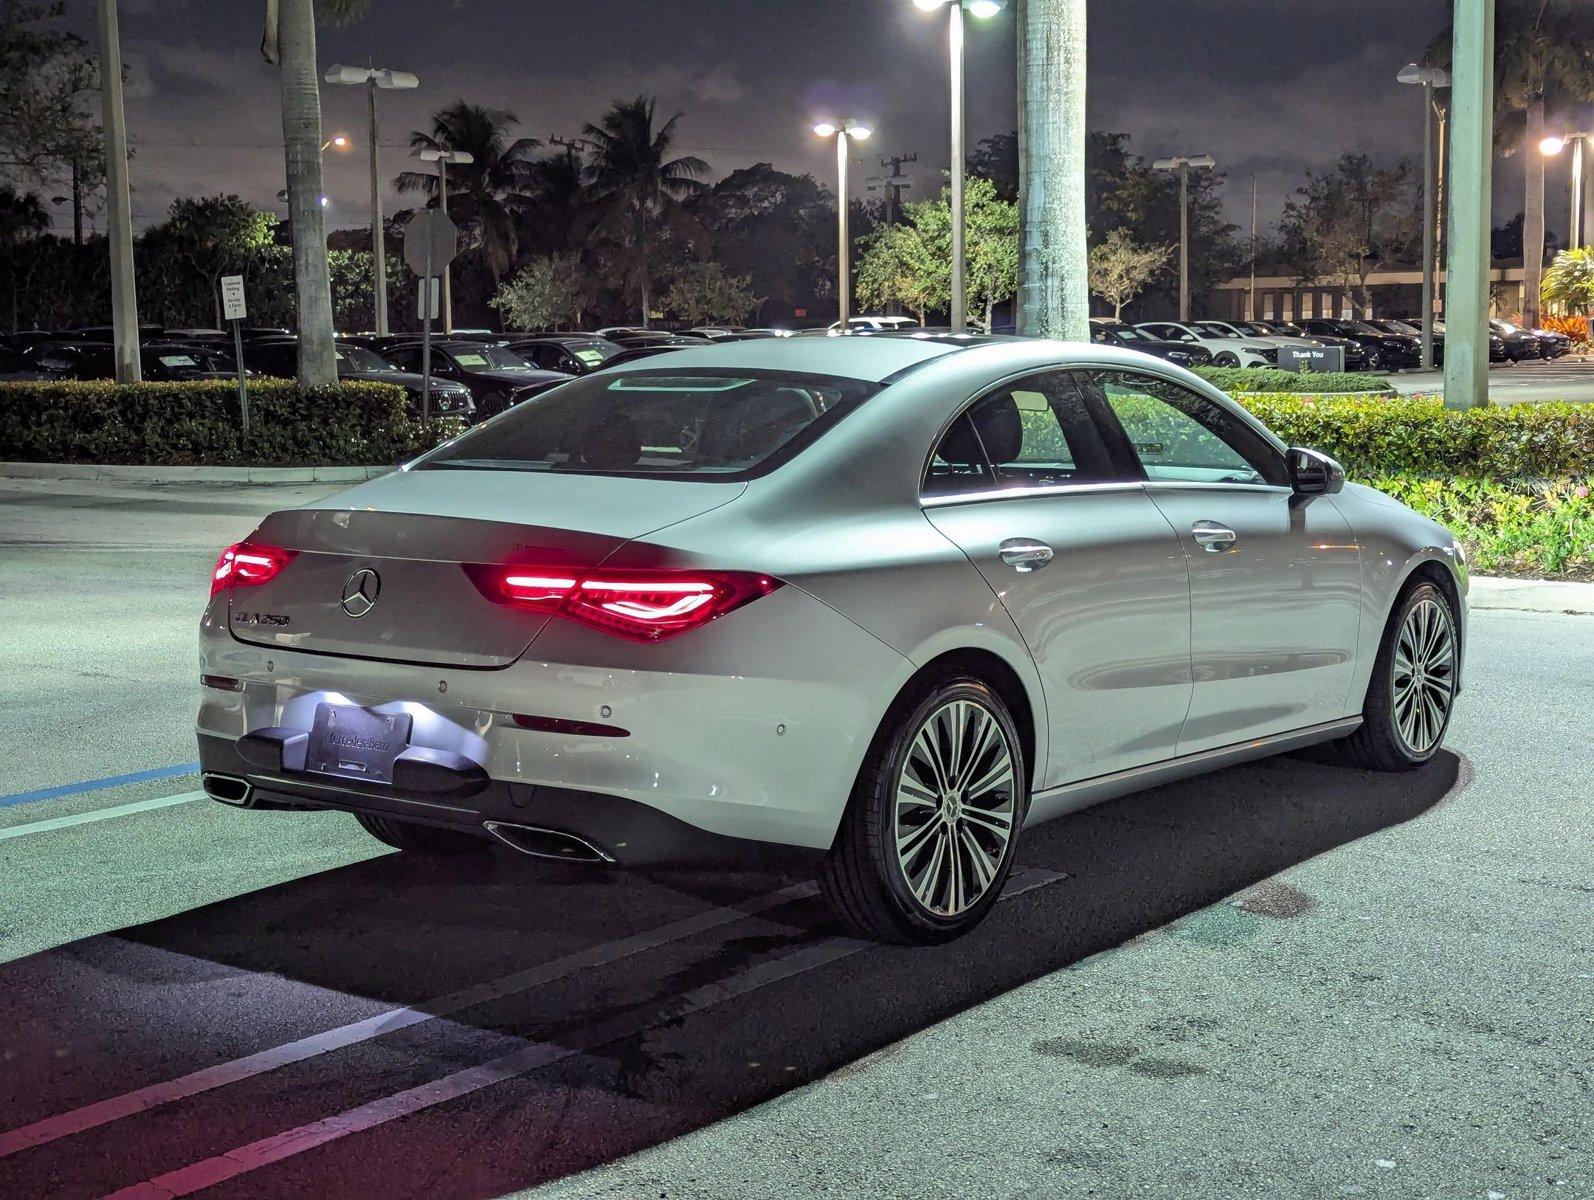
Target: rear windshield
{"type": "Point", "coordinates": [708, 424]}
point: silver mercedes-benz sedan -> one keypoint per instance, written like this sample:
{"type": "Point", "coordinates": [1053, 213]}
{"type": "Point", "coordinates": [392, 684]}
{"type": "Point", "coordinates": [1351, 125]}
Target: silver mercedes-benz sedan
{"type": "Point", "coordinates": [879, 602]}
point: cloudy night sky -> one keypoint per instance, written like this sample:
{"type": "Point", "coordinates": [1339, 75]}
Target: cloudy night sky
{"type": "Point", "coordinates": [1269, 87]}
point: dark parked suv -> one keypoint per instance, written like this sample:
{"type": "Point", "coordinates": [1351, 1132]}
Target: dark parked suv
{"type": "Point", "coordinates": [1385, 351]}
{"type": "Point", "coordinates": [281, 357]}
{"type": "Point", "coordinates": [496, 376]}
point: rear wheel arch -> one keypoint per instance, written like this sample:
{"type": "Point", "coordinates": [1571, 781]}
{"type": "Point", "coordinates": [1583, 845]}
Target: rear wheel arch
{"type": "Point", "coordinates": [975, 663]}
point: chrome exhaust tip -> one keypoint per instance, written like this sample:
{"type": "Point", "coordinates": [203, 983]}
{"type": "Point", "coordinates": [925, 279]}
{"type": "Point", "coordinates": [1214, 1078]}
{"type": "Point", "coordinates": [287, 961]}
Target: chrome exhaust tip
{"type": "Point", "coordinates": [229, 789]}
{"type": "Point", "coordinates": [546, 843]}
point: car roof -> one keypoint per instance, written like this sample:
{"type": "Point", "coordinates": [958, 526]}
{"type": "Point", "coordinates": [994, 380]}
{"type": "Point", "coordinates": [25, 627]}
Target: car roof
{"type": "Point", "coordinates": [870, 359]}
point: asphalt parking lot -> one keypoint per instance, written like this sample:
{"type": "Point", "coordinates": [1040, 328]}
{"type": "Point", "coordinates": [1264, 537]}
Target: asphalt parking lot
{"type": "Point", "coordinates": [1569, 378]}
{"type": "Point", "coordinates": [1285, 979]}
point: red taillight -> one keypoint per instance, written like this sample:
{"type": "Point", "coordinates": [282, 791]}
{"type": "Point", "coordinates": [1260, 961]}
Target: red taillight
{"type": "Point", "coordinates": [248, 564]}
{"type": "Point", "coordinates": [644, 606]}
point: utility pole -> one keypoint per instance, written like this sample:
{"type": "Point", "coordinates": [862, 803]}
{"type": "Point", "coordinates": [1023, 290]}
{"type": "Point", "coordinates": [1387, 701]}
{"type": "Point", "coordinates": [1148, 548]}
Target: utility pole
{"type": "Point", "coordinates": [1471, 159]}
{"type": "Point", "coordinates": [893, 185]}
{"type": "Point", "coordinates": [119, 214]}
{"type": "Point", "coordinates": [77, 203]}
{"type": "Point", "coordinates": [1182, 164]}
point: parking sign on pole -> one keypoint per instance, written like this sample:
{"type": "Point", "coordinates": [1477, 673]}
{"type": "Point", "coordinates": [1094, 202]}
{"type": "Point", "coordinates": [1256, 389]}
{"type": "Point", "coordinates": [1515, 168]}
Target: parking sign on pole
{"type": "Point", "coordinates": [233, 309]}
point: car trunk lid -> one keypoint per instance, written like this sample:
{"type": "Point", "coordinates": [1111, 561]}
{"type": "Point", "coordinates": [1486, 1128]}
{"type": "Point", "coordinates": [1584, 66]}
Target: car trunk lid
{"type": "Point", "coordinates": [378, 571]}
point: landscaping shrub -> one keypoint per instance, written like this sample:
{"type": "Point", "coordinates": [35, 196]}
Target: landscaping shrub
{"type": "Point", "coordinates": [362, 424]}
{"type": "Point", "coordinates": [1312, 383]}
{"type": "Point", "coordinates": [1421, 437]}
{"type": "Point", "coordinates": [1531, 530]}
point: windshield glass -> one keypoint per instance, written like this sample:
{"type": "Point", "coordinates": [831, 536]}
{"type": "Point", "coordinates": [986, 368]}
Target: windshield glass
{"type": "Point", "coordinates": [1401, 327]}
{"type": "Point", "coordinates": [1106, 331]}
{"type": "Point", "coordinates": [718, 424]}
{"type": "Point", "coordinates": [358, 358]}
{"type": "Point", "coordinates": [494, 358]}
{"type": "Point", "coordinates": [1214, 329]}
{"type": "Point", "coordinates": [1254, 327]}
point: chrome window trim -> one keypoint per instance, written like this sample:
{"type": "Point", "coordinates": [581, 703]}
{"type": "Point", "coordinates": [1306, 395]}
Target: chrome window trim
{"type": "Point", "coordinates": [1164, 485]}
{"type": "Point", "coordinates": [1025, 493]}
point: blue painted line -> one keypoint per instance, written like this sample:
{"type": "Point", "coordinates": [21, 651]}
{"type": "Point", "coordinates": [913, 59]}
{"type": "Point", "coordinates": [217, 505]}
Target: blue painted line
{"type": "Point", "coordinates": [94, 785]}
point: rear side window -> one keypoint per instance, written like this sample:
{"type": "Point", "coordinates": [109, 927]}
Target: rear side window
{"type": "Point", "coordinates": [710, 424]}
{"type": "Point", "coordinates": [1038, 433]}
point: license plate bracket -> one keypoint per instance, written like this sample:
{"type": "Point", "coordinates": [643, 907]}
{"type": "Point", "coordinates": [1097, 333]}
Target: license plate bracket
{"type": "Point", "coordinates": [351, 742]}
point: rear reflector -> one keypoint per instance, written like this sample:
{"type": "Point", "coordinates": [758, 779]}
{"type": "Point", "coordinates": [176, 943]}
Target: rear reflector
{"type": "Point", "coordinates": [221, 683]}
{"type": "Point", "coordinates": [643, 606]}
{"type": "Point", "coordinates": [248, 564]}
{"type": "Point", "coordinates": [560, 725]}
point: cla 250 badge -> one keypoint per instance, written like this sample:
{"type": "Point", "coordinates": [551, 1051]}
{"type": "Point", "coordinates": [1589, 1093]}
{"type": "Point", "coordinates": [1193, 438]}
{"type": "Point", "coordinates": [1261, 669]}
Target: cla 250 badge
{"type": "Point", "coordinates": [258, 618]}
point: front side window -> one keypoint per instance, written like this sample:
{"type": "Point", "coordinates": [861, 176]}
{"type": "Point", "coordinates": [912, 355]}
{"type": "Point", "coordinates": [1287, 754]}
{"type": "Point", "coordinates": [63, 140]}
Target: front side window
{"type": "Point", "coordinates": [1036, 434]}
{"type": "Point", "coordinates": [706, 424]}
{"type": "Point", "coordinates": [1180, 436]}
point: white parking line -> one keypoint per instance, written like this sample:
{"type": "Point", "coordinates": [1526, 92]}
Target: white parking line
{"type": "Point", "coordinates": [99, 814]}
{"type": "Point", "coordinates": [116, 1107]}
{"type": "Point", "coordinates": [197, 1176]}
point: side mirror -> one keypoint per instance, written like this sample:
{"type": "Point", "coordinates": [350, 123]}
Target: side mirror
{"type": "Point", "coordinates": [1313, 473]}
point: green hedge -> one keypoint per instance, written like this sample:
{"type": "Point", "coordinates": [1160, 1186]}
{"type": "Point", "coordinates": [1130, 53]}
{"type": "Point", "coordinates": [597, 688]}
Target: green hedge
{"type": "Point", "coordinates": [1534, 530]}
{"type": "Point", "coordinates": [1422, 437]}
{"type": "Point", "coordinates": [1310, 383]}
{"type": "Point", "coordinates": [362, 424]}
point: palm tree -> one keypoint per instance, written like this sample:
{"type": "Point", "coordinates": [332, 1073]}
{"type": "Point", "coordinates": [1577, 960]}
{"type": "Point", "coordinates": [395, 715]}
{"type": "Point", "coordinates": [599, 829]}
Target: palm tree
{"type": "Point", "coordinates": [291, 40]}
{"type": "Point", "coordinates": [636, 188]}
{"type": "Point", "coordinates": [1054, 297]}
{"type": "Point", "coordinates": [485, 193]}
{"type": "Point", "coordinates": [1542, 50]}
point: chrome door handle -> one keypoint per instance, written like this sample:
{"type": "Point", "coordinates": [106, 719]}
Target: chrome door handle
{"type": "Point", "coordinates": [1025, 554]}
{"type": "Point", "coordinates": [1212, 537]}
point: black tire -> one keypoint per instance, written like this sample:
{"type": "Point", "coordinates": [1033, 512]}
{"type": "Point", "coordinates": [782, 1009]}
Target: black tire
{"type": "Point", "coordinates": [863, 878]}
{"type": "Point", "coordinates": [1379, 745]}
{"type": "Point", "coordinates": [1225, 359]}
{"type": "Point", "coordinates": [492, 404]}
{"type": "Point", "coordinates": [423, 839]}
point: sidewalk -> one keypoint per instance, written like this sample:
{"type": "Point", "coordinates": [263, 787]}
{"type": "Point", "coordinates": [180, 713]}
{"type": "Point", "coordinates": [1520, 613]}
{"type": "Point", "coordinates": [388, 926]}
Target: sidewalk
{"type": "Point", "coordinates": [1531, 595]}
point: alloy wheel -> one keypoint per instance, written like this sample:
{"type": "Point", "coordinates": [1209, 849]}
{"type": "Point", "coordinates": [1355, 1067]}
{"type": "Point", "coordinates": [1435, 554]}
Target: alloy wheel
{"type": "Point", "coordinates": [955, 807]}
{"type": "Point", "coordinates": [1423, 675]}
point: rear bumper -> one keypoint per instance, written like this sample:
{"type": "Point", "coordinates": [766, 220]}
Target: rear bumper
{"type": "Point", "coordinates": [622, 831]}
{"type": "Point", "coordinates": [751, 730]}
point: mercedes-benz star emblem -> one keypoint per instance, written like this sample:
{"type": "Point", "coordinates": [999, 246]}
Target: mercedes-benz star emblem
{"type": "Point", "coordinates": [360, 592]}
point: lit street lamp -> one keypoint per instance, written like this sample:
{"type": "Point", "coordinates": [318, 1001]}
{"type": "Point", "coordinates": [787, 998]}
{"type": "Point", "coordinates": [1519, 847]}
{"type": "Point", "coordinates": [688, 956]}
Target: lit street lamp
{"type": "Point", "coordinates": [442, 158]}
{"type": "Point", "coordinates": [340, 140]}
{"type": "Point", "coordinates": [374, 79]}
{"type": "Point", "coordinates": [956, 8]}
{"type": "Point", "coordinates": [1182, 164]}
{"type": "Point", "coordinates": [842, 131]}
{"type": "Point", "coordinates": [1554, 145]}
{"type": "Point", "coordinates": [1428, 78]}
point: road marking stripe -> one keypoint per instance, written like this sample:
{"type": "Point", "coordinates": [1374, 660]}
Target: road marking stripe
{"type": "Point", "coordinates": [116, 1107]}
{"type": "Point", "coordinates": [197, 1176]}
{"type": "Point", "coordinates": [99, 814]}
{"type": "Point", "coordinates": [94, 785]}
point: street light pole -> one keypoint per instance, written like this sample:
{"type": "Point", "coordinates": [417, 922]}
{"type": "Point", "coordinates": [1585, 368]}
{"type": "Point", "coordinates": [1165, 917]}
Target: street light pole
{"type": "Point", "coordinates": [955, 9]}
{"type": "Point", "coordinates": [373, 78]}
{"type": "Point", "coordinates": [841, 132]}
{"type": "Point", "coordinates": [1554, 145]}
{"type": "Point", "coordinates": [1182, 164]}
{"type": "Point", "coordinates": [1428, 78]}
{"type": "Point", "coordinates": [119, 217]}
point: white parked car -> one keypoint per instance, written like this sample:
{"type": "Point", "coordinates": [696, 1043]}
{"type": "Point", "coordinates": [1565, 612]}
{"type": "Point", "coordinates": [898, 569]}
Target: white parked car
{"type": "Point", "coordinates": [875, 324]}
{"type": "Point", "coordinates": [881, 601]}
{"type": "Point", "coordinates": [1256, 334]}
{"type": "Point", "coordinates": [1226, 350]}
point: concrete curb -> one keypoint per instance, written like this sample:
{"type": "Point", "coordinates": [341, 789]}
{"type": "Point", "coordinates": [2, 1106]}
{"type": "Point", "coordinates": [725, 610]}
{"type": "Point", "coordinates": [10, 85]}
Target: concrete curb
{"type": "Point", "coordinates": [112, 472]}
{"type": "Point", "coordinates": [1530, 595]}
